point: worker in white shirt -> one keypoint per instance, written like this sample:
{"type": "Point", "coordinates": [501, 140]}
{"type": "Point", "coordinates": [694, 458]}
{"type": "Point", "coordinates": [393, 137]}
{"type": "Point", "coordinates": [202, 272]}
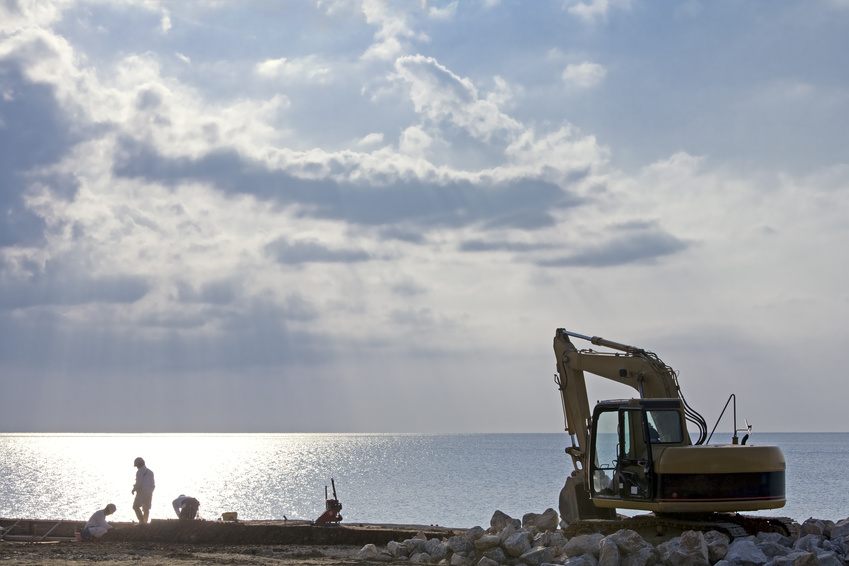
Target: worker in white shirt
{"type": "Point", "coordinates": [186, 507]}
{"type": "Point", "coordinates": [143, 488]}
{"type": "Point", "coordinates": [97, 525]}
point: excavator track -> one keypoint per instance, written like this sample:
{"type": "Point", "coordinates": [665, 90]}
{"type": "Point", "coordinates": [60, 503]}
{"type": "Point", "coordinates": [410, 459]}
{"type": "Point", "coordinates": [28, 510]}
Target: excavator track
{"type": "Point", "coordinates": [732, 525]}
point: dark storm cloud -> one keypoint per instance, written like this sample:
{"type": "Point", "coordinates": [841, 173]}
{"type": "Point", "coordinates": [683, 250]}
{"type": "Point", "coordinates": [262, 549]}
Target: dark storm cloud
{"type": "Point", "coordinates": [312, 252]}
{"type": "Point", "coordinates": [59, 285]}
{"type": "Point", "coordinates": [633, 246]}
{"type": "Point", "coordinates": [523, 203]}
{"type": "Point", "coordinates": [32, 133]}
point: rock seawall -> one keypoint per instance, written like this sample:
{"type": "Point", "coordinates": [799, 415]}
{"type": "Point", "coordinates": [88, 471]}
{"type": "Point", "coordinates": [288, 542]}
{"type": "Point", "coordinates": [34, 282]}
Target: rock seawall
{"type": "Point", "coordinates": [537, 540]}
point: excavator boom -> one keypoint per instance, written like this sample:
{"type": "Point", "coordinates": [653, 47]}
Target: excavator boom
{"type": "Point", "coordinates": [636, 368]}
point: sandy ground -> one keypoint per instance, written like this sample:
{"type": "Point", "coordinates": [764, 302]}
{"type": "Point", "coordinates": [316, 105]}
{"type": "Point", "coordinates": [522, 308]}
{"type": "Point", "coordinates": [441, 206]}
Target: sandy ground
{"type": "Point", "coordinates": [153, 554]}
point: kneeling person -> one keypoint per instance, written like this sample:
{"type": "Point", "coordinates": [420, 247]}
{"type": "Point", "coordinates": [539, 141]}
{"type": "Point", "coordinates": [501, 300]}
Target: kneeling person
{"type": "Point", "coordinates": [186, 507]}
{"type": "Point", "coordinates": [97, 525]}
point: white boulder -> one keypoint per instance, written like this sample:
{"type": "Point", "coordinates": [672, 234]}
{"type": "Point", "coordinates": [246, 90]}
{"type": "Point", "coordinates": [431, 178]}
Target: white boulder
{"type": "Point", "coordinates": [633, 549]}
{"type": "Point", "coordinates": [460, 544]}
{"type": "Point", "coordinates": [537, 556]}
{"type": "Point", "coordinates": [368, 552]}
{"type": "Point", "coordinates": [839, 530]}
{"type": "Point", "coordinates": [414, 545]}
{"type": "Point", "coordinates": [396, 549]}
{"type": "Point", "coordinates": [717, 545]}
{"type": "Point", "coordinates": [436, 548]}
{"type": "Point", "coordinates": [475, 533]}
{"type": "Point", "coordinates": [583, 544]}
{"type": "Point", "coordinates": [812, 527]}
{"type": "Point", "coordinates": [690, 549]}
{"type": "Point", "coordinates": [546, 521]}
{"type": "Point", "coordinates": [608, 554]}
{"type": "Point", "coordinates": [497, 554]}
{"type": "Point", "coordinates": [486, 542]}
{"type": "Point", "coordinates": [517, 544]}
{"type": "Point", "coordinates": [500, 520]}
{"type": "Point", "coordinates": [583, 560]}
{"type": "Point", "coordinates": [744, 553]}
{"type": "Point", "coordinates": [809, 543]}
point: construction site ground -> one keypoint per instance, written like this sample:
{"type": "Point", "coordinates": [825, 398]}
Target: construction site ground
{"type": "Point", "coordinates": [190, 543]}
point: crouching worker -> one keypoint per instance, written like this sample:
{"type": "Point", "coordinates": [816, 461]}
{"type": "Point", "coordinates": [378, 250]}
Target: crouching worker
{"type": "Point", "coordinates": [97, 525]}
{"type": "Point", "coordinates": [186, 507]}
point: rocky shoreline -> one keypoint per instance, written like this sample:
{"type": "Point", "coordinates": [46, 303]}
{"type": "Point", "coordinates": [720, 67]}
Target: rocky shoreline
{"type": "Point", "coordinates": [534, 540]}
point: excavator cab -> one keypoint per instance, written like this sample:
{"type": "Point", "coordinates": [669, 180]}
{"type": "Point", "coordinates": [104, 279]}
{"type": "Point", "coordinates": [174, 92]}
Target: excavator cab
{"type": "Point", "coordinates": [627, 436]}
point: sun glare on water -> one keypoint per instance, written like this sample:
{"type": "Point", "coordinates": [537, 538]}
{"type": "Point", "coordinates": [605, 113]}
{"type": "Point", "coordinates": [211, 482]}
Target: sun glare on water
{"type": "Point", "coordinates": [74, 475]}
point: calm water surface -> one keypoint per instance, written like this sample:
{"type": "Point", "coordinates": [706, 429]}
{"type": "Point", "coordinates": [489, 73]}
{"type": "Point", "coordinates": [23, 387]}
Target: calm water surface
{"type": "Point", "coordinates": [451, 480]}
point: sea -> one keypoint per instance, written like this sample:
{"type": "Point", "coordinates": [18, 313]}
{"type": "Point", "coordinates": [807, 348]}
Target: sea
{"type": "Point", "coordinates": [451, 480]}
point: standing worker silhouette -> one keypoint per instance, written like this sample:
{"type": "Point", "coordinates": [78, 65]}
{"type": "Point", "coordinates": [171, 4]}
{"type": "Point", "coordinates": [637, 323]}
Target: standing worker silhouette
{"type": "Point", "coordinates": [143, 488]}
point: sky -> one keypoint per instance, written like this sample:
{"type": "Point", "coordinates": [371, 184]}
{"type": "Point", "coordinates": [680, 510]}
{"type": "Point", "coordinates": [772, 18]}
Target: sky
{"type": "Point", "coordinates": [372, 216]}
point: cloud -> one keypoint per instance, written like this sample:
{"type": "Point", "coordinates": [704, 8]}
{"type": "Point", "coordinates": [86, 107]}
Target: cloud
{"type": "Point", "coordinates": [309, 68]}
{"type": "Point", "coordinates": [524, 202]}
{"type": "Point", "coordinates": [227, 217]}
{"type": "Point", "coordinates": [15, 14]}
{"type": "Point", "coordinates": [307, 251]}
{"type": "Point", "coordinates": [594, 9]}
{"type": "Point", "coordinates": [394, 34]}
{"type": "Point", "coordinates": [374, 138]}
{"type": "Point", "coordinates": [418, 318]}
{"type": "Point", "coordinates": [442, 96]}
{"type": "Point", "coordinates": [34, 133]}
{"type": "Point", "coordinates": [501, 246]}
{"type": "Point", "coordinates": [62, 284]}
{"type": "Point", "coordinates": [403, 233]}
{"type": "Point", "coordinates": [415, 142]}
{"type": "Point", "coordinates": [165, 22]}
{"type": "Point", "coordinates": [407, 288]}
{"type": "Point", "coordinates": [632, 243]}
{"type": "Point", "coordinates": [445, 12]}
{"type": "Point", "coordinates": [255, 336]}
{"type": "Point", "coordinates": [584, 75]}
{"type": "Point", "coordinates": [221, 292]}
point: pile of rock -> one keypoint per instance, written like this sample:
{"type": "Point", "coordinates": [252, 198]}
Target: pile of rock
{"type": "Point", "coordinates": [536, 541]}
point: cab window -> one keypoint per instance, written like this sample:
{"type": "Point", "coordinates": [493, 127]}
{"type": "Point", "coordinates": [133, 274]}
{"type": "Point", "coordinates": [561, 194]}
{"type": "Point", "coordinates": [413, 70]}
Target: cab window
{"type": "Point", "coordinates": [665, 426]}
{"type": "Point", "coordinates": [606, 453]}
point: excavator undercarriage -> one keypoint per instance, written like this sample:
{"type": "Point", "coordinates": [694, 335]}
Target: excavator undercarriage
{"type": "Point", "coordinates": [650, 526]}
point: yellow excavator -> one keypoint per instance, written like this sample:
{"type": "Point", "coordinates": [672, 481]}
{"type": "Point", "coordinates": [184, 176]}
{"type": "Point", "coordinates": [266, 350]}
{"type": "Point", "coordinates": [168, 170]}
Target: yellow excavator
{"type": "Point", "coordinates": [638, 454]}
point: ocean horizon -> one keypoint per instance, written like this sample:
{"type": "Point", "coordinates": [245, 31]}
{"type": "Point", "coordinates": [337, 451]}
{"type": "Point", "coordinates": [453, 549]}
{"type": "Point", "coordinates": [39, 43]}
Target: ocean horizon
{"type": "Point", "coordinates": [455, 480]}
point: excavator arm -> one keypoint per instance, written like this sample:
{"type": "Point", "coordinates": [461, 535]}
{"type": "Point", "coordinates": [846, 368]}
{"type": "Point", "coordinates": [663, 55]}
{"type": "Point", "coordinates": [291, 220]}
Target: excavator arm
{"type": "Point", "coordinates": [636, 368]}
